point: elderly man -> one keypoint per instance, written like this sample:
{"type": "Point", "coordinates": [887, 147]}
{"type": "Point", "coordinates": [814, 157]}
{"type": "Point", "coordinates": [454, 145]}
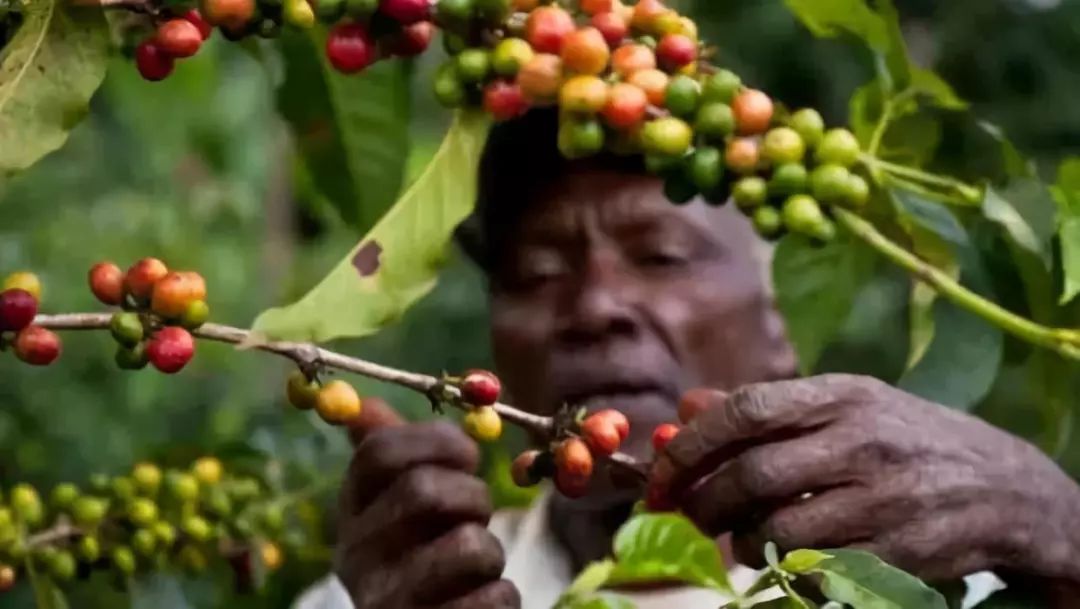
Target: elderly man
{"type": "Point", "coordinates": [604, 294]}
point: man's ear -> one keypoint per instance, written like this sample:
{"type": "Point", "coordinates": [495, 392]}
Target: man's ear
{"type": "Point", "coordinates": [376, 414]}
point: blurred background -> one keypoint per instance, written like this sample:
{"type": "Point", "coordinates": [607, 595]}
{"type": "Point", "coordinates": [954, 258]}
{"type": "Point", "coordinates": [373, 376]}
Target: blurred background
{"type": "Point", "coordinates": [204, 171]}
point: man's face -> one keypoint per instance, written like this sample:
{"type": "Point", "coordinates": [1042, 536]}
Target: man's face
{"type": "Point", "coordinates": [609, 296]}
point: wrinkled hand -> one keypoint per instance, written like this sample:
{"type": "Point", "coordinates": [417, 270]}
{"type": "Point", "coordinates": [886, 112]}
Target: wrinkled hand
{"type": "Point", "coordinates": [933, 491]}
{"type": "Point", "coordinates": [413, 525]}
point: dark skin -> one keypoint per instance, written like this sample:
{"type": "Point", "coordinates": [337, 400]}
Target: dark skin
{"type": "Point", "coordinates": [609, 296]}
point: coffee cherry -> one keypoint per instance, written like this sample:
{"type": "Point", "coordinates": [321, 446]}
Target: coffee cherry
{"type": "Point", "coordinates": [474, 65]}
{"type": "Point", "coordinates": [303, 393]}
{"type": "Point", "coordinates": [600, 435]}
{"type": "Point", "coordinates": [179, 37]}
{"type": "Point", "coordinates": [153, 62]}
{"type": "Point", "coordinates": [829, 183]}
{"type": "Point", "coordinates": [682, 96]}
{"type": "Point", "coordinates": [88, 549]}
{"type": "Point", "coordinates": [127, 329]}
{"type": "Point", "coordinates": [406, 11]}
{"type": "Point", "coordinates": [679, 189]}
{"type": "Point", "coordinates": [667, 136]}
{"type": "Point", "coordinates": [705, 169]}
{"type": "Point", "coordinates": [227, 13]}
{"type": "Point", "coordinates": [63, 496]}
{"type": "Point", "coordinates": [504, 101]}
{"type": "Point", "coordinates": [192, 559]}
{"type": "Point", "coordinates": [17, 309]}
{"type": "Point", "coordinates": [196, 19]}
{"type": "Point", "coordinates": [454, 14]}
{"type": "Point", "coordinates": [88, 512]}
{"type": "Point", "coordinates": [37, 346]}
{"type": "Point", "coordinates": [783, 145]}
{"type": "Point", "coordinates": [715, 121]}
{"type": "Point", "coordinates": [743, 155]}
{"type": "Point", "coordinates": [611, 26]}
{"type": "Point", "coordinates": [541, 78]}
{"type": "Point", "coordinates": [165, 533]}
{"type": "Point", "coordinates": [663, 435]}
{"type": "Point", "coordinates": [170, 349]}
{"type": "Point", "coordinates": [721, 87]}
{"type": "Point", "coordinates": [626, 106]}
{"type": "Point", "coordinates": [580, 139]}
{"type": "Point", "coordinates": [676, 51]}
{"type": "Point", "coordinates": [483, 424]}
{"type": "Point", "coordinates": [26, 504]}
{"type": "Point", "coordinates": [657, 499]}
{"type": "Point", "coordinates": [510, 55]}
{"type": "Point", "coordinates": [331, 11]}
{"type": "Point", "coordinates": [809, 124]}
{"type": "Point", "coordinates": [522, 470]}
{"type": "Point", "coordinates": [572, 457]}
{"type": "Point", "coordinates": [447, 86]}
{"type": "Point", "coordinates": [144, 543]}
{"type": "Point", "coordinates": [480, 388]}
{"type": "Point", "coordinates": [195, 315]}
{"type": "Point", "coordinates": [183, 486]}
{"type": "Point", "coordinates": [7, 578]}
{"type": "Point", "coordinates": [338, 403]}
{"type": "Point", "coordinates": [693, 403]}
{"type": "Point", "coordinates": [653, 82]}
{"type": "Point", "coordinates": [208, 471]}
{"type": "Point", "coordinates": [617, 419]}
{"type": "Point", "coordinates": [570, 485]}
{"type": "Point", "coordinates": [147, 478]}
{"type": "Point", "coordinates": [141, 277]}
{"type": "Point", "coordinates": [585, 51]}
{"type": "Point", "coordinates": [123, 488]}
{"type": "Point", "coordinates": [788, 179]}
{"type": "Point", "coordinates": [631, 58]}
{"type": "Point", "coordinates": [107, 283]}
{"type": "Point", "coordinates": [584, 95]}
{"type": "Point", "coordinates": [750, 192]}
{"type": "Point", "coordinates": [857, 192]}
{"type": "Point", "coordinates": [142, 512]}
{"type": "Point", "coordinates": [271, 556]}
{"type": "Point", "coordinates": [592, 7]}
{"type": "Point", "coordinates": [350, 48]}
{"type": "Point", "coordinates": [840, 147]}
{"type": "Point", "coordinates": [217, 502]}
{"type": "Point", "coordinates": [646, 12]}
{"type": "Point", "coordinates": [547, 28]}
{"type": "Point", "coordinates": [802, 214]}
{"type": "Point", "coordinates": [123, 559]}
{"type": "Point", "coordinates": [25, 281]}
{"type": "Point", "coordinates": [299, 14]}
{"type": "Point", "coordinates": [753, 111]}
{"type": "Point", "coordinates": [62, 566]}
{"type": "Point", "coordinates": [132, 358]}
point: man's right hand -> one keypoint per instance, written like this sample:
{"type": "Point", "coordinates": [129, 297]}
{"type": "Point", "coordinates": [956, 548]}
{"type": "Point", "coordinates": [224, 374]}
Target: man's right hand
{"type": "Point", "coordinates": [413, 524]}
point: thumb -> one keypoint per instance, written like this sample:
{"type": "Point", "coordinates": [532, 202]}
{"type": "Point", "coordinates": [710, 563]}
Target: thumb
{"type": "Point", "coordinates": [376, 414]}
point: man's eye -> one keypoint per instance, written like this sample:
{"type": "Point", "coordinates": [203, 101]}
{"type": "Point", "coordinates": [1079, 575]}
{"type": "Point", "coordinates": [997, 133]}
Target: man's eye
{"type": "Point", "coordinates": [538, 271]}
{"type": "Point", "coordinates": [660, 260]}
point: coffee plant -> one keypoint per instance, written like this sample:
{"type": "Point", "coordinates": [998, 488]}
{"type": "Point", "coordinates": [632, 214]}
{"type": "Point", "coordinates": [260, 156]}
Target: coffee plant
{"type": "Point", "coordinates": [628, 78]}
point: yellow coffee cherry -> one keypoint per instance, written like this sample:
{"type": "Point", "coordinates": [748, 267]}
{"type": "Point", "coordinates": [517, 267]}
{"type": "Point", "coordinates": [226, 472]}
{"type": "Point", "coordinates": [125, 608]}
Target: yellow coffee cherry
{"type": "Point", "coordinates": [208, 470]}
{"type": "Point", "coordinates": [484, 424]}
{"type": "Point", "coordinates": [26, 281]}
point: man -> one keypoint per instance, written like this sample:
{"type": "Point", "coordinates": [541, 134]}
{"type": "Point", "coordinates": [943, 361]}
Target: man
{"type": "Point", "coordinates": [604, 294]}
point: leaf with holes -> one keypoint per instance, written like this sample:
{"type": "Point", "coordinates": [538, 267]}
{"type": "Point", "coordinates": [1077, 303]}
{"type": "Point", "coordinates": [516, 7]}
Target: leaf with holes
{"type": "Point", "coordinates": [398, 261]}
{"type": "Point", "coordinates": [48, 72]}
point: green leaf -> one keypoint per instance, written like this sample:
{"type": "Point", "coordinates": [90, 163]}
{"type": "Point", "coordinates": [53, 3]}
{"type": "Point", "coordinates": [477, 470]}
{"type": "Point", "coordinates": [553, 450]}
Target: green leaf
{"type": "Point", "coordinates": [397, 263]}
{"type": "Point", "coordinates": [351, 130]}
{"type": "Point", "coordinates": [669, 548]}
{"type": "Point", "coordinates": [1030, 234]}
{"type": "Point", "coordinates": [1015, 164]}
{"type": "Point", "coordinates": [47, 595]}
{"type": "Point", "coordinates": [833, 18]}
{"type": "Point", "coordinates": [593, 578]}
{"type": "Point", "coordinates": [803, 561]}
{"type": "Point", "coordinates": [48, 72]}
{"type": "Point", "coordinates": [815, 289]}
{"type": "Point", "coordinates": [941, 93]}
{"type": "Point", "coordinates": [1069, 235]}
{"type": "Point", "coordinates": [603, 601]}
{"type": "Point", "coordinates": [864, 581]}
{"type": "Point", "coordinates": [784, 602]}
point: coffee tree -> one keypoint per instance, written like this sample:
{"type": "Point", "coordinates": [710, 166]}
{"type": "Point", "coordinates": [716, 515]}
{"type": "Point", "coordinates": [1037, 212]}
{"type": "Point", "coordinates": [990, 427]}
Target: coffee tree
{"type": "Point", "coordinates": [631, 79]}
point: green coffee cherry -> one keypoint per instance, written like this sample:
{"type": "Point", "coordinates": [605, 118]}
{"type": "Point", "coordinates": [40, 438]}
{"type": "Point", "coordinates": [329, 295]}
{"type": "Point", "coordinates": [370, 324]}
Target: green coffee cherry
{"type": "Point", "coordinates": [721, 87]}
{"type": "Point", "coordinates": [667, 136]}
{"type": "Point", "coordinates": [715, 121]}
{"type": "Point", "coordinates": [245, 489]}
{"type": "Point", "coordinates": [829, 183]}
{"type": "Point", "coordinates": [89, 512]}
{"type": "Point", "coordinates": [127, 329]}
{"type": "Point", "coordinates": [803, 215]}
{"type": "Point", "coordinates": [783, 145]}
{"type": "Point", "coordinates": [124, 560]}
{"type": "Point", "coordinates": [447, 85]}
{"type": "Point", "coordinates": [683, 96]}
{"type": "Point", "coordinates": [273, 518]}
{"type": "Point", "coordinates": [750, 192]}
{"type": "Point", "coordinates": [840, 147]}
{"type": "Point", "coordinates": [144, 543]}
{"type": "Point", "coordinates": [133, 358]}
{"type": "Point", "coordinates": [16, 550]}
{"type": "Point", "coordinates": [182, 486]}
{"type": "Point", "coordinates": [63, 496]}
{"type": "Point", "coordinates": [8, 531]}
{"type": "Point", "coordinates": [62, 566]}
{"type": "Point", "coordinates": [26, 504]}
{"type": "Point", "coordinates": [857, 193]}
{"type": "Point", "coordinates": [142, 512]}
{"type": "Point", "coordinates": [809, 125]}
{"type": "Point", "coordinates": [494, 11]}
{"type": "Point", "coordinates": [510, 55]}
{"type": "Point", "coordinates": [474, 65]}
{"type": "Point", "coordinates": [661, 165]}
{"type": "Point", "coordinates": [788, 179]}
{"type": "Point", "coordinates": [768, 222]}
{"type": "Point", "coordinates": [705, 169]}
{"type": "Point", "coordinates": [88, 549]}
{"type": "Point", "coordinates": [197, 528]}
{"type": "Point", "coordinates": [678, 189]}
{"type": "Point", "coordinates": [147, 477]}
{"type": "Point", "coordinates": [99, 483]}
{"type": "Point", "coordinates": [454, 12]}
{"type": "Point", "coordinates": [217, 502]}
{"type": "Point", "coordinates": [197, 313]}
{"type": "Point", "coordinates": [123, 488]}
{"type": "Point", "coordinates": [580, 138]}
{"type": "Point", "coordinates": [361, 9]}
{"type": "Point", "coordinates": [165, 533]}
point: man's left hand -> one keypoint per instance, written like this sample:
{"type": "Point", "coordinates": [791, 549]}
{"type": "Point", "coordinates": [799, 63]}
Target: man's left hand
{"type": "Point", "coordinates": [846, 461]}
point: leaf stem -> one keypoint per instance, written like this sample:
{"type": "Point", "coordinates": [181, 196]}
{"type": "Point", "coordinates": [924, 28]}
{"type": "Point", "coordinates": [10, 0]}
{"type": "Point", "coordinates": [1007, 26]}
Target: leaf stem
{"type": "Point", "coordinates": [1062, 340]}
{"type": "Point", "coordinates": [968, 194]}
{"type": "Point", "coordinates": [888, 113]}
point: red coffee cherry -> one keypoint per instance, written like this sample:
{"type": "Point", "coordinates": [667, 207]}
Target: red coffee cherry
{"type": "Point", "coordinates": [17, 309]}
{"type": "Point", "coordinates": [37, 346]}
{"type": "Point", "coordinates": [406, 12]}
{"type": "Point", "coordinates": [153, 63]}
{"type": "Point", "coordinates": [107, 283]}
{"type": "Point", "coordinates": [663, 435]}
{"type": "Point", "coordinates": [675, 51]}
{"type": "Point", "coordinates": [753, 112]}
{"type": "Point", "coordinates": [504, 100]}
{"type": "Point", "coordinates": [618, 419]}
{"type": "Point", "coordinates": [174, 292]}
{"type": "Point", "coordinates": [571, 485]}
{"type": "Point", "coordinates": [601, 435]}
{"type": "Point", "coordinates": [171, 349]}
{"type": "Point", "coordinates": [179, 37]}
{"type": "Point", "coordinates": [572, 457]}
{"type": "Point", "coordinates": [693, 403]}
{"type": "Point", "coordinates": [547, 29]}
{"type": "Point", "coordinates": [196, 19]}
{"type": "Point", "coordinates": [523, 471]}
{"type": "Point", "coordinates": [586, 51]}
{"type": "Point", "coordinates": [480, 388]}
{"type": "Point", "coordinates": [612, 26]}
{"type": "Point", "coordinates": [350, 48]}
{"type": "Point", "coordinates": [626, 106]}
{"type": "Point", "coordinates": [230, 14]}
{"type": "Point", "coordinates": [412, 40]}
{"type": "Point", "coordinates": [141, 277]}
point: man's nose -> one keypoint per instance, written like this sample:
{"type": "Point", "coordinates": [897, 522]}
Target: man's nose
{"type": "Point", "coordinates": [600, 304]}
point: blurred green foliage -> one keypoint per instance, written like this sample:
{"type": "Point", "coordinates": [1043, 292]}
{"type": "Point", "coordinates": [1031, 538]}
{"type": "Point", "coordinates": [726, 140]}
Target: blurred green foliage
{"type": "Point", "coordinates": [201, 171]}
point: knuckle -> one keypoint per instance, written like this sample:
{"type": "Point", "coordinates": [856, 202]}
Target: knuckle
{"type": "Point", "coordinates": [378, 447]}
{"type": "Point", "coordinates": [784, 529]}
{"type": "Point", "coordinates": [477, 545]}
{"type": "Point", "coordinates": [420, 488]}
{"type": "Point", "coordinates": [757, 473]}
{"type": "Point", "coordinates": [454, 439]}
{"type": "Point", "coordinates": [503, 594]}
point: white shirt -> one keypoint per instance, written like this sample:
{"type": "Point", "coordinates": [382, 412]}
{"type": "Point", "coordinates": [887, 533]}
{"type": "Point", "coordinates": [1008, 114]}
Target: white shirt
{"type": "Point", "coordinates": [540, 568]}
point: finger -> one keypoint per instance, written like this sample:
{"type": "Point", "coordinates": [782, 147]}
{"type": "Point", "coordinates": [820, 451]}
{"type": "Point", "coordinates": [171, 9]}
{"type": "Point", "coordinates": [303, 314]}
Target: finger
{"type": "Point", "coordinates": [496, 595]}
{"type": "Point", "coordinates": [420, 505]}
{"type": "Point", "coordinates": [764, 476]}
{"type": "Point", "coordinates": [463, 560]}
{"type": "Point", "coordinates": [375, 414]}
{"type": "Point", "coordinates": [389, 451]}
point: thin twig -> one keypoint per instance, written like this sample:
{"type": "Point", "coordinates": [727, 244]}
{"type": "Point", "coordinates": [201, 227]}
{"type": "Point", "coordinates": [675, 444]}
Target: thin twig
{"type": "Point", "coordinates": [63, 530]}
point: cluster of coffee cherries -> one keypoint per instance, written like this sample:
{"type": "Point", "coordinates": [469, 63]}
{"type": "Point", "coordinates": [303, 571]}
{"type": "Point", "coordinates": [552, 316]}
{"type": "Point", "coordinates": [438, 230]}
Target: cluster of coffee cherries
{"type": "Point", "coordinates": [19, 301]}
{"type": "Point", "coordinates": [336, 402]}
{"type": "Point", "coordinates": [175, 37]}
{"type": "Point", "coordinates": [147, 520]}
{"type": "Point", "coordinates": [160, 309]}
